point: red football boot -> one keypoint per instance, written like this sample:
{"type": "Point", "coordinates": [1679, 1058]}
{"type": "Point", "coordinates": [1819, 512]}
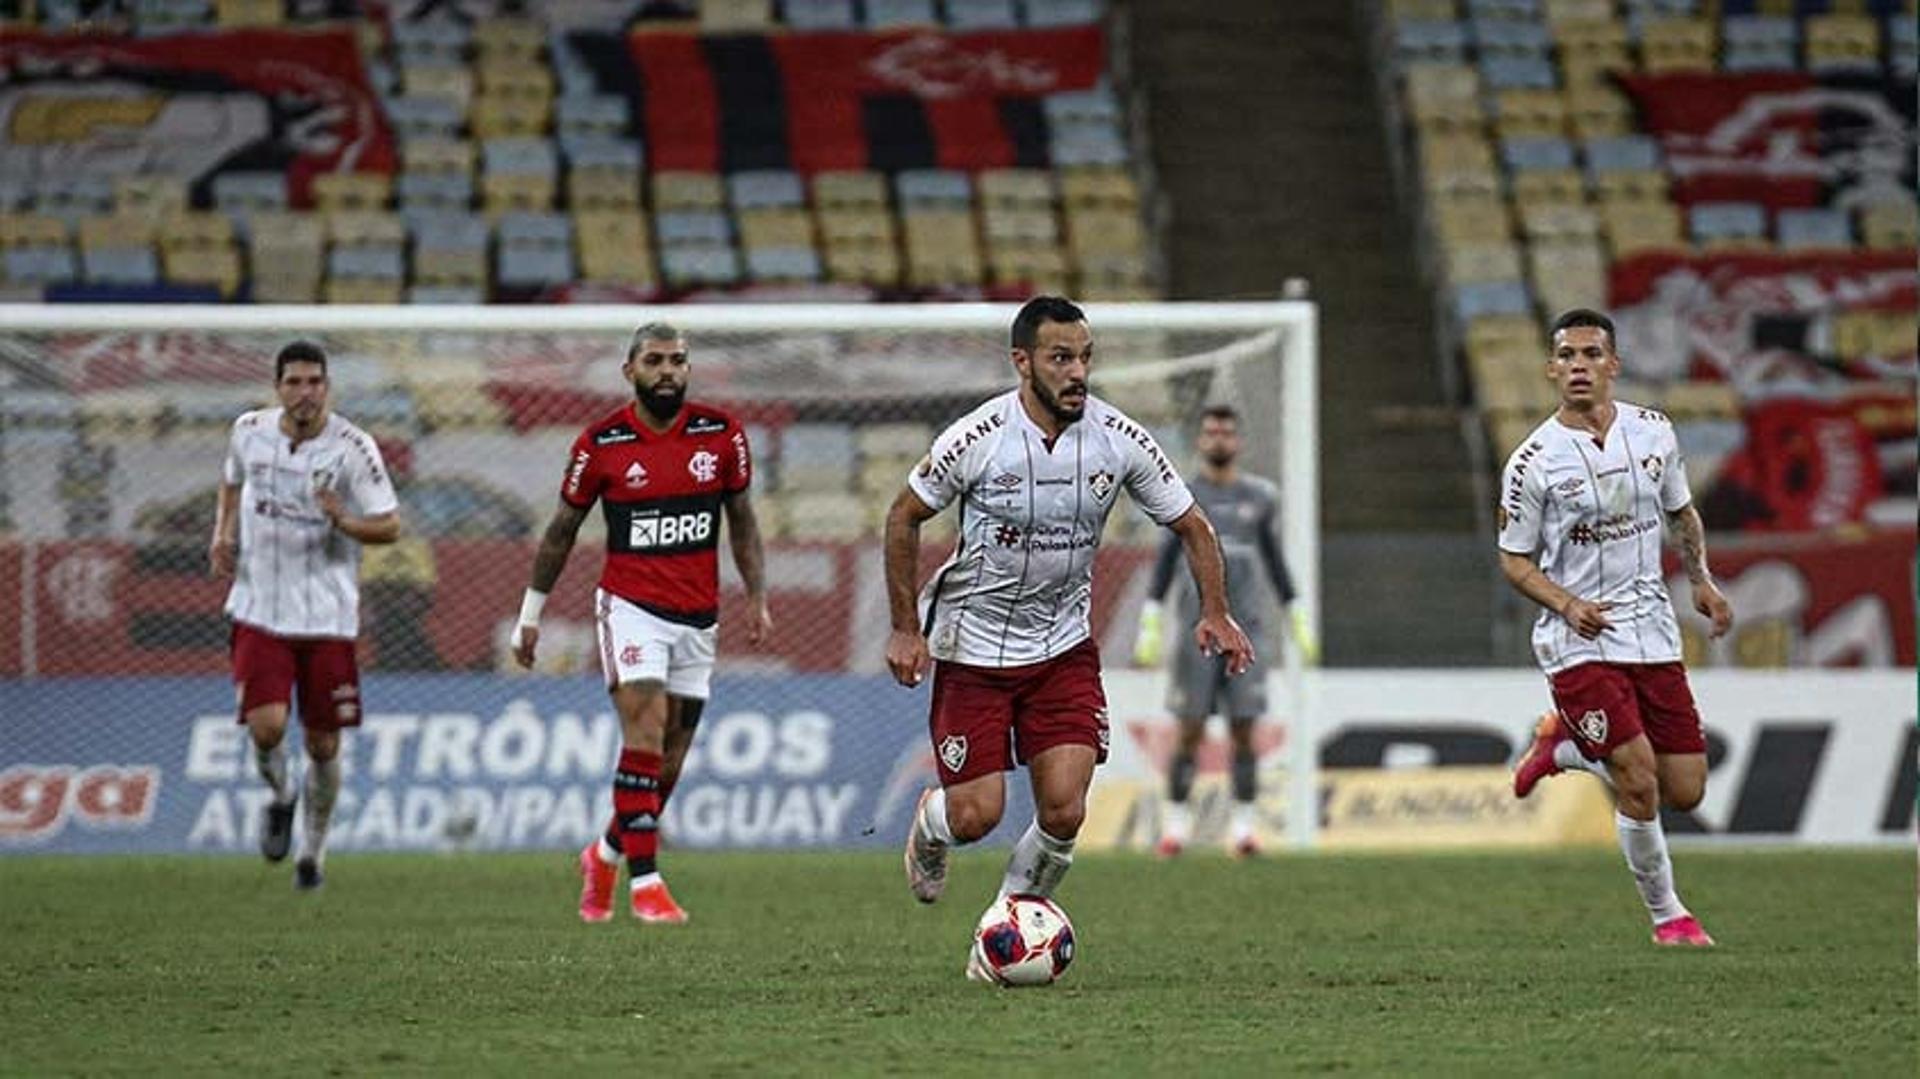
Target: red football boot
{"type": "Point", "coordinates": [1536, 763]}
{"type": "Point", "coordinates": [1681, 932]}
{"type": "Point", "coordinates": [597, 880]}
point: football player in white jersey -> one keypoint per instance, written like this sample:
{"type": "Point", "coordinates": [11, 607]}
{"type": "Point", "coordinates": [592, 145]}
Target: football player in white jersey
{"type": "Point", "coordinates": [1582, 506]}
{"type": "Point", "coordinates": [1005, 622]}
{"type": "Point", "coordinates": [300, 491]}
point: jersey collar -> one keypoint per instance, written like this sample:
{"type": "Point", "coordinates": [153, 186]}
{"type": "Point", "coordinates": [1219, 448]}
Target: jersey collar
{"type": "Point", "coordinates": [640, 425]}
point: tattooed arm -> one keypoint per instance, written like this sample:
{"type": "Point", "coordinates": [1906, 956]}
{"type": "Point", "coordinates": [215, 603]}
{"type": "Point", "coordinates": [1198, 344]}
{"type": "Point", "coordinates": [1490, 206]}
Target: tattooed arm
{"type": "Point", "coordinates": [1692, 537]}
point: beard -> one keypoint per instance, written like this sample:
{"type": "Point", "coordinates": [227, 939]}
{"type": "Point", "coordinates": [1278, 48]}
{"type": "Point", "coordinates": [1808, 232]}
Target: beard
{"type": "Point", "coordinates": [1219, 458]}
{"type": "Point", "coordinates": [1060, 409]}
{"type": "Point", "coordinates": [662, 403]}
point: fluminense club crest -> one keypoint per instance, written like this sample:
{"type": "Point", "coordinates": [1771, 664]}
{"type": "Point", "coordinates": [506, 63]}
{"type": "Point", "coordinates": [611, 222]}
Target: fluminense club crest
{"type": "Point", "coordinates": [953, 752]}
{"type": "Point", "coordinates": [1101, 484]}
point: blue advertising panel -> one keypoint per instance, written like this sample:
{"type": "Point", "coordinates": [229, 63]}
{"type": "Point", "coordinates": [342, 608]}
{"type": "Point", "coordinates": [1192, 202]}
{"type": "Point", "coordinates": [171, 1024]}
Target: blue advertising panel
{"type": "Point", "coordinates": [470, 762]}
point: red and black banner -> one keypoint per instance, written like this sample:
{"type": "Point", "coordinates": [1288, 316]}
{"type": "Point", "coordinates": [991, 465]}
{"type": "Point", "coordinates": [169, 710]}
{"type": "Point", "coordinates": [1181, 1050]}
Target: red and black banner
{"type": "Point", "coordinates": [189, 105]}
{"type": "Point", "coordinates": [1784, 139]}
{"type": "Point", "coordinates": [815, 102]}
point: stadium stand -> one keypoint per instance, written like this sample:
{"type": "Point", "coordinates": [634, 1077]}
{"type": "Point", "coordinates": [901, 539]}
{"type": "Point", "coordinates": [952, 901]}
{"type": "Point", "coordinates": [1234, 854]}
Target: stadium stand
{"type": "Point", "coordinates": [504, 117]}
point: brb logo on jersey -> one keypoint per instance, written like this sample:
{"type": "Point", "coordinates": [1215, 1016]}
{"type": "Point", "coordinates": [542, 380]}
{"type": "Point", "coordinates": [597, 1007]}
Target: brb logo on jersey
{"type": "Point", "coordinates": [670, 530]}
{"type": "Point", "coordinates": [704, 466]}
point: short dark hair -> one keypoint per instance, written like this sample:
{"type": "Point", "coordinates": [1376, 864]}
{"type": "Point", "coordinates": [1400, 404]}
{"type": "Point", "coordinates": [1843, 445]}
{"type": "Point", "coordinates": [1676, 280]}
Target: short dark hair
{"type": "Point", "coordinates": [1583, 316]}
{"type": "Point", "coordinates": [653, 331]}
{"type": "Point", "coordinates": [1221, 412]}
{"type": "Point", "coordinates": [298, 352]}
{"type": "Point", "coordinates": [1026, 324]}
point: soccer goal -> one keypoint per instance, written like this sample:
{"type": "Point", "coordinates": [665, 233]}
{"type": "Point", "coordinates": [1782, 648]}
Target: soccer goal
{"type": "Point", "coordinates": [113, 424]}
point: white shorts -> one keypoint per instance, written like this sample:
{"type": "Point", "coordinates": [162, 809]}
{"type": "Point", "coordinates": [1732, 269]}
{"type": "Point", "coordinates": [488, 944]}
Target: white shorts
{"type": "Point", "coordinates": [638, 646]}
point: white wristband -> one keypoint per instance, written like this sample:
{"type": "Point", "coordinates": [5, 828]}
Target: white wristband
{"type": "Point", "coordinates": [530, 605]}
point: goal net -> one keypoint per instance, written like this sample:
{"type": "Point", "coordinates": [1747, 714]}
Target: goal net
{"type": "Point", "coordinates": [116, 710]}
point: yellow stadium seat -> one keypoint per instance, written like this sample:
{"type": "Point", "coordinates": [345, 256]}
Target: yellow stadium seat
{"type": "Point", "coordinates": [603, 189]}
{"type": "Point", "coordinates": [352, 190]}
{"type": "Point", "coordinates": [688, 191]}
{"type": "Point", "coordinates": [455, 84]}
{"type": "Point", "coordinates": [1477, 263]}
{"type": "Point", "coordinates": [1044, 268]}
{"type": "Point", "coordinates": [1019, 189]}
{"type": "Point", "coordinates": [1563, 187]}
{"type": "Point", "coordinates": [775, 228]}
{"type": "Point", "coordinates": [1598, 111]}
{"type": "Point", "coordinates": [502, 116]}
{"type": "Point", "coordinates": [1476, 221]}
{"type": "Point", "coordinates": [850, 190]}
{"type": "Point", "coordinates": [1105, 233]}
{"type": "Point", "coordinates": [243, 13]}
{"type": "Point", "coordinates": [1630, 185]}
{"type": "Point", "coordinates": [444, 266]}
{"type": "Point", "coordinates": [1677, 44]}
{"type": "Point", "coordinates": [510, 192]}
{"type": "Point", "coordinates": [1634, 228]}
{"type": "Point", "coordinates": [32, 230]}
{"type": "Point", "coordinates": [1842, 40]}
{"type": "Point", "coordinates": [736, 16]}
{"type": "Point", "coordinates": [1443, 96]}
{"type": "Point", "coordinates": [116, 231]}
{"type": "Point", "coordinates": [867, 264]}
{"type": "Point", "coordinates": [184, 231]}
{"type": "Point", "coordinates": [870, 226]}
{"type": "Point", "coordinates": [365, 228]}
{"type": "Point", "coordinates": [1558, 222]}
{"type": "Point", "coordinates": [1568, 274]}
{"type": "Point", "coordinates": [203, 265]}
{"type": "Point", "coordinates": [437, 155]}
{"type": "Point", "coordinates": [363, 290]}
{"type": "Point", "coordinates": [1020, 227]}
{"type": "Point", "coordinates": [1441, 154]}
{"type": "Point", "coordinates": [1890, 226]}
{"type": "Point", "coordinates": [150, 194]}
{"type": "Point", "coordinates": [1530, 114]}
{"type": "Point", "coordinates": [1098, 188]}
{"type": "Point", "coordinates": [530, 82]}
{"type": "Point", "coordinates": [521, 40]}
{"type": "Point", "coordinates": [1560, 12]}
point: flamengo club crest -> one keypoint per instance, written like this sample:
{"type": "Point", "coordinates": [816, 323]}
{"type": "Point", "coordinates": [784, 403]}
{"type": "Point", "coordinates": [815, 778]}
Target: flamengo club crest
{"type": "Point", "coordinates": [1101, 484]}
{"type": "Point", "coordinates": [1593, 726]}
{"type": "Point", "coordinates": [704, 466]}
{"type": "Point", "coordinates": [953, 751]}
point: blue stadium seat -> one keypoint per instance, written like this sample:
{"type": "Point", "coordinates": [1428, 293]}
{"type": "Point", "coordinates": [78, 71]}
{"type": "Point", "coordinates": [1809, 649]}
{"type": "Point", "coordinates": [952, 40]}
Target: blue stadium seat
{"type": "Point", "coordinates": [1512, 10]}
{"type": "Point", "coordinates": [444, 190]}
{"type": "Point", "coordinates": [430, 41]}
{"type": "Point", "coordinates": [120, 266]}
{"type": "Point", "coordinates": [1719, 221]}
{"type": "Point", "coordinates": [1518, 73]}
{"type": "Point", "coordinates": [1061, 12]}
{"type": "Point", "coordinates": [679, 227]}
{"type": "Point", "coordinates": [783, 264]}
{"type": "Point", "coordinates": [1622, 153]}
{"type": "Point", "coordinates": [933, 187]}
{"type": "Point", "coordinates": [1081, 107]}
{"type": "Point", "coordinates": [1903, 44]}
{"type": "Point", "coordinates": [1082, 147]}
{"type": "Point", "coordinates": [582, 114]}
{"type": "Point", "coordinates": [446, 294]}
{"type": "Point", "coordinates": [981, 15]}
{"type": "Point", "coordinates": [891, 14]}
{"type": "Point", "coordinates": [1500, 37]}
{"type": "Point", "coordinates": [703, 264]}
{"type": "Point", "coordinates": [448, 232]}
{"type": "Point", "coordinates": [413, 117]}
{"type": "Point", "coordinates": [1814, 228]}
{"type": "Point", "coordinates": [1536, 152]}
{"type": "Point", "coordinates": [821, 15]}
{"type": "Point", "coordinates": [250, 191]}
{"type": "Point", "coordinates": [366, 263]}
{"type": "Point", "coordinates": [1491, 298]}
{"type": "Point", "coordinates": [519, 155]}
{"type": "Point", "coordinates": [1418, 40]}
{"type": "Point", "coordinates": [765, 188]}
{"type": "Point", "coordinates": [602, 152]}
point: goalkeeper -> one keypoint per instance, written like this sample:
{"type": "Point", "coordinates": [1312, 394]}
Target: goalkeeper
{"type": "Point", "coordinates": [1242, 510]}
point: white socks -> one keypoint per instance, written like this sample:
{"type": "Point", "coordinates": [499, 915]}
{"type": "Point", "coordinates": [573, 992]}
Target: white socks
{"type": "Point", "coordinates": [272, 764]}
{"type": "Point", "coordinates": [1176, 821]}
{"type": "Point", "coordinates": [1037, 864]}
{"type": "Point", "coordinates": [323, 786]}
{"type": "Point", "coordinates": [1645, 844]}
{"type": "Point", "coordinates": [1244, 818]}
{"type": "Point", "coordinates": [607, 852]}
{"type": "Point", "coordinates": [933, 818]}
{"type": "Point", "coordinates": [1570, 759]}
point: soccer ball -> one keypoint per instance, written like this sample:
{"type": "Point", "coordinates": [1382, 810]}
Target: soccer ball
{"type": "Point", "coordinates": [1023, 940]}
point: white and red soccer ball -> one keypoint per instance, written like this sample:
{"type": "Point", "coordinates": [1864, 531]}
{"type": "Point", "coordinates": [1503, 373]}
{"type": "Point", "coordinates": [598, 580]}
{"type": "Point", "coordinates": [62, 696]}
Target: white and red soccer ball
{"type": "Point", "coordinates": [1024, 940]}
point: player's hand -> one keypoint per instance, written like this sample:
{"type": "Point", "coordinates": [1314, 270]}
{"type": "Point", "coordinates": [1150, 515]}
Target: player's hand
{"type": "Point", "coordinates": [1221, 635]}
{"type": "Point", "coordinates": [907, 656]}
{"type": "Point", "coordinates": [221, 555]}
{"type": "Point", "coordinates": [759, 621]}
{"type": "Point", "coordinates": [1147, 646]}
{"type": "Point", "coordinates": [526, 639]}
{"type": "Point", "coordinates": [1588, 619]}
{"type": "Point", "coordinates": [1708, 600]}
{"type": "Point", "coordinates": [330, 504]}
{"type": "Point", "coordinates": [1303, 637]}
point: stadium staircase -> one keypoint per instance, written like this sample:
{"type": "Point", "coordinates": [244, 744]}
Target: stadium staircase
{"type": "Point", "coordinates": [1269, 150]}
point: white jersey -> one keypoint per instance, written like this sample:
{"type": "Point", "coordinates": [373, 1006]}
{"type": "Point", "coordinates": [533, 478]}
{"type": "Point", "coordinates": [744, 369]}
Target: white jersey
{"type": "Point", "coordinates": [298, 576]}
{"type": "Point", "coordinates": [1019, 586]}
{"type": "Point", "coordinates": [1594, 515]}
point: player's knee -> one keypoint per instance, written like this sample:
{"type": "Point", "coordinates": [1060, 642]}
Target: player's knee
{"type": "Point", "coordinates": [1062, 818]}
{"type": "Point", "coordinates": [1192, 731]}
{"type": "Point", "coordinates": [970, 819]}
{"type": "Point", "coordinates": [267, 726]}
{"type": "Point", "coordinates": [1683, 794]}
{"type": "Point", "coordinates": [1638, 791]}
{"type": "Point", "coordinates": [323, 745]}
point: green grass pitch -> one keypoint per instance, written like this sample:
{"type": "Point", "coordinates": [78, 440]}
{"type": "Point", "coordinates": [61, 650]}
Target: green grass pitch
{"type": "Point", "coordinates": [1461, 964]}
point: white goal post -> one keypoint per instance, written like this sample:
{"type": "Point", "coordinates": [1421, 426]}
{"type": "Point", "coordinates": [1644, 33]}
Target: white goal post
{"type": "Point", "coordinates": [1286, 329]}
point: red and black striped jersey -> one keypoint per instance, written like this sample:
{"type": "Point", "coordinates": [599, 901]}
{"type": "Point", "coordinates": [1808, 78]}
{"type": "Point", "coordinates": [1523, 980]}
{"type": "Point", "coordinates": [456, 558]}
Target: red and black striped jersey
{"type": "Point", "coordinates": [661, 494]}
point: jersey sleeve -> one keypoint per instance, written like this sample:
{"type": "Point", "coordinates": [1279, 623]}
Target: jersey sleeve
{"type": "Point", "coordinates": [1522, 501]}
{"type": "Point", "coordinates": [582, 483]}
{"type": "Point", "coordinates": [368, 481]}
{"type": "Point", "coordinates": [233, 471]}
{"type": "Point", "coordinates": [1152, 481]}
{"type": "Point", "coordinates": [739, 462]}
{"type": "Point", "coordinates": [943, 474]}
{"type": "Point", "coordinates": [1675, 494]}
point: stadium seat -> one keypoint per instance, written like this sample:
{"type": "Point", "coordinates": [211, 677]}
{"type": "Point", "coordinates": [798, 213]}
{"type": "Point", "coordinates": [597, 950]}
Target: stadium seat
{"type": "Point", "coordinates": [1049, 13]}
{"type": "Point", "coordinates": [435, 190]}
{"type": "Point", "coordinates": [1550, 222]}
{"type": "Point", "coordinates": [933, 188]}
{"type": "Point", "coordinates": [150, 193]}
{"type": "Point", "coordinates": [1813, 229]}
{"type": "Point", "coordinates": [899, 441]}
{"type": "Point", "coordinates": [511, 193]}
{"type": "Point", "coordinates": [676, 227]}
{"type": "Point", "coordinates": [775, 228]}
{"type": "Point", "coordinates": [1015, 189]}
{"type": "Point", "coordinates": [614, 248]}
{"type": "Point", "coordinates": [1676, 44]}
{"type": "Point", "coordinates": [534, 250]}
{"type": "Point", "coordinates": [1422, 10]}
{"type": "Point", "coordinates": [1105, 232]}
{"type": "Point", "coordinates": [1111, 189]}
{"type": "Point", "coordinates": [1720, 225]}
{"type": "Point", "coordinates": [494, 116]}
{"type": "Point", "coordinates": [856, 227]}
{"type": "Point", "coordinates": [1590, 49]}
{"type": "Point", "coordinates": [1492, 298]}
{"type": "Point", "coordinates": [352, 191]}
{"type": "Point", "coordinates": [1560, 12]}
{"type": "Point", "coordinates": [364, 228]}
{"type": "Point", "coordinates": [866, 264]}
{"type": "Point", "coordinates": [422, 115]}
{"type": "Point", "coordinates": [1842, 43]}
{"type": "Point", "coordinates": [1903, 44]}
{"type": "Point", "coordinates": [1094, 107]}
{"type": "Point", "coordinates": [1474, 263]}
{"type": "Point", "coordinates": [700, 191]}
{"type": "Point", "coordinates": [366, 263]}
{"type": "Point", "coordinates": [518, 40]}
{"type": "Point", "coordinates": [1598, 111]}
{"type": "Point", "coordinates": [450, 247]}
{"type": "Point", "coordinates": [1629, 185]}
{"type": "Point", "coordinates": [1617, 154]}
{"type": "Point", "coordinates": [1436, 41]}
{"type": "Point", "coordinates": [363, 290]}
{"type": "Point", "coordinates": [284, 256]}
{"type": "Point", "coordinates": [602, 152]}
{"type": "Point", "coordinates": [783, 264]}
{"type": "Point", "coordinates": [437, 155]}
{"type": "Point", "coordinates": [1634, 228]}
{"type": "Point", "coordinates": [1468, 222]}
{"type": "Point", "coordinates": [1443, 95]}
{"type": "Point", "coordinates": [452, 83]}
{"type": "Point", "coordinates": [1442, 154]}
{"type": "Point", "coordinates": [895, 14]}
{"type": "Point", "coordinates": [247, 192]}
{"type": "Point", "coordinates": [820, 15]}
{"type": "Point", "coordinates": [827, 517]}
{"type": "Point", "coordinates": [1567, 274]}
{"type": "Point", "coordinates": [736, 16]}
{"type": "Point", "coordinates": [1081, 147]}
{"type": "Point", "coordinates": [1758, 43]}
{"type": "Point", "coordinates": [765, 188]}
{"type": "Point", "coordinates": [1014, 228]}
{"type": "Point", "coordinates": [963, 15]}
{"type": "Point", "coordinates": [693, 265]}
{"type": "Point", "coordinates": [438, 293]}
{"type": "Point", "coordinates": [591, 114]}
{"type": "Point", "coordinates": [1518, 73]}
{"type": "Point", "coordinates": [849, 190]}
{"type": "Point", "coordinates": [1508, 10]}
{"type": "Point", "coordinates": [196, 230]}
{"type": "Point", "coordinates": [1536, 152]}
{"type": "Point", "coordinates": [1890, 226]}
{"type": "Point", "coordinates": [1563, 187]}
{"type": "Point", "coordinates": [429, 42]}
{"type": "Point", "coordinates": [244, 14]}
{"type": "Point", "coordinates": [1520, 114]}
{"type": "Point", "coordinates": [1510, 38]}
{"type": "Point", "coordinates": [602, 189]}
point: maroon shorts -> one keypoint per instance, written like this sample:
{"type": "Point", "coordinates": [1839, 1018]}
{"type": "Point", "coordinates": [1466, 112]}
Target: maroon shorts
{"type": "Point", "coordinates": [1606, 705]}
{"type": "Point", "coordinates": [984, 718]}
{"type": "Point", "coordinates": [268, 670]}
